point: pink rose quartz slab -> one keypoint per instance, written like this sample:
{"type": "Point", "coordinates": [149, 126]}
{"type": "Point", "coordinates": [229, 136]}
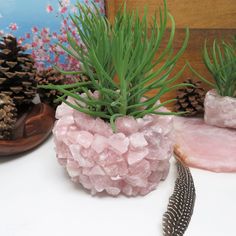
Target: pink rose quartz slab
{"type": "Point", "coordinates": [203, 146]}
{"type": "Point", "coordinates": [220, 111]}
{"type": "Point", "coordinates": [131, 161]}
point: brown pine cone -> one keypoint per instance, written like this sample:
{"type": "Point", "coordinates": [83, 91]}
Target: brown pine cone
{"type": "Point", "coordinates": [49, 76]}
{"type": "Point", "coordinates": [17, 73]}
{"type": "Point", "coordinates": [8, 115]}
{"type": "Point", "coordinates": [191, 99]}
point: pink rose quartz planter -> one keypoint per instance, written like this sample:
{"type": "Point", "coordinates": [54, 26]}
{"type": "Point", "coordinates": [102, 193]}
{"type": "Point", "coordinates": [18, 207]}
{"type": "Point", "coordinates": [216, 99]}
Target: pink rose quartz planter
{"type": "Point", "coordinates": [131, 161]}
{"type": "Point", "coordinates": [220, 111]}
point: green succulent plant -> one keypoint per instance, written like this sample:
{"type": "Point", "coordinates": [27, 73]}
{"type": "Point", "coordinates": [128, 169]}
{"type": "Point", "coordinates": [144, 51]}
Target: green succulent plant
{"type": "Point", "coordinates": [221, 63]}
{"type": "Point", "coordinates": [120, 60]}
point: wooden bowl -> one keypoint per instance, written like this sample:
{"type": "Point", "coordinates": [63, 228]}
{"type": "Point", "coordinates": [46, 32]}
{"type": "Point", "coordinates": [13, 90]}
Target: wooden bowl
{"type": "Point", "coordinates": [32, 129]}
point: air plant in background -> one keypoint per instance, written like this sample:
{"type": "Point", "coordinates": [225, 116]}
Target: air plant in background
{"type": "Point", "coordinates": [220, 103]}
{"type": "Point", "coordinates": [221, 63]}
{"type": "Point", "coordinates": [114, 139]}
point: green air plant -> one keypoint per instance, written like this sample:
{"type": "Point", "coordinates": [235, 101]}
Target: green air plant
{"type": "Point", "coordinates": [124, 62]}
{"type": "Point", "coordinates": [221, 63]}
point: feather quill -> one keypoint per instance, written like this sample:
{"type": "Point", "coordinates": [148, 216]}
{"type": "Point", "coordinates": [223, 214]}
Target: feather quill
{"type": "Point", "coordinates": [181, 204]}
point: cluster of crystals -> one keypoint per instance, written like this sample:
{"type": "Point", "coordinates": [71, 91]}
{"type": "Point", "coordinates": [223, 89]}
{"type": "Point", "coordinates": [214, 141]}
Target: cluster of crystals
{"type": "Point", "coordinates": [220, 111]}
{"type": "Point", "coordinates": [132, 161]}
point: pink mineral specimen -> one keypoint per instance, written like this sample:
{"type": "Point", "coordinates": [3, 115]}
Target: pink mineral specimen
{"type": "Point", "coordinates": [220, 111]}
{"type": "Point", "coordinates": [204, 146]}
{"type": "Point", "coordinates": [131, 161]}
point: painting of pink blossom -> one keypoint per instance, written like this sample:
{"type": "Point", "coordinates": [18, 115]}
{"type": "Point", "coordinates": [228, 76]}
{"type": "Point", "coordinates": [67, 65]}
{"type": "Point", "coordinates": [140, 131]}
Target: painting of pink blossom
{"type": "Point", "coordinates": [40, 25]}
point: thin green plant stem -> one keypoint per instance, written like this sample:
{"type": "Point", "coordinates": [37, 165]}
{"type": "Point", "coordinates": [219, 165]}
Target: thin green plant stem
{"type": "Point", "coordinates": [120, 61]}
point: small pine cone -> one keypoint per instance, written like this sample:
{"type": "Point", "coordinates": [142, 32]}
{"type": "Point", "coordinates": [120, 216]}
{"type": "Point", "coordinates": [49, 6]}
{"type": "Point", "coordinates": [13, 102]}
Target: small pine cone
{"type": "Point", "coordinates": [17, 73]}
{"type": "Point", "coordinates": [8, 114]}
{"type": "Point", "coordinates": [49, 76]}
{"type": "Point", "coordinates": [191, 99]}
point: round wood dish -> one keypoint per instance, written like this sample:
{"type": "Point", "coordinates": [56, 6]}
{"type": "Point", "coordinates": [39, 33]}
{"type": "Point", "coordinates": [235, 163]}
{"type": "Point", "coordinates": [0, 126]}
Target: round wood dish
{"type": "Point", "coordinates": [32, 129]}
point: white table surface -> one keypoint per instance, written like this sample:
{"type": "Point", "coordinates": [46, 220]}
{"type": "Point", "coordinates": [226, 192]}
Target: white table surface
{"type": "Point", "coordinates": [38, 199]}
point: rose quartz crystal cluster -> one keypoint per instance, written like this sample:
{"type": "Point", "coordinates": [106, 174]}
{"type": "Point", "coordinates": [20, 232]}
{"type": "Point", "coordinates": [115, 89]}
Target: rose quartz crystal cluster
{"type": "Point", "coordinates": [132, 161]}
{"type": "Point", "coordinates": [220, 111]}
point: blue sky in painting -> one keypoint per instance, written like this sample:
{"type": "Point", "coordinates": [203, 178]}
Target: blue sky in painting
{"type": "Point", "coordinates": [28, 13]}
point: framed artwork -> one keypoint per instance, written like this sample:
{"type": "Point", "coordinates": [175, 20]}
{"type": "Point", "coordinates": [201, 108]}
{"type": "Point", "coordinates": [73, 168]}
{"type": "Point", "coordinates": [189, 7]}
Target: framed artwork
{"type": "Point", "coordinates": [38, 25]}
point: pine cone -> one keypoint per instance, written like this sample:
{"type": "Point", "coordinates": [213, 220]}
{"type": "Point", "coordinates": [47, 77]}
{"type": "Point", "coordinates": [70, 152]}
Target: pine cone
{"type": "Point", "coordinates": [17, 75]}
{"type": "Point", "coordinates": [49, 76]}
{"type": "Point", "coordinates": [8, 114]}
{"type": "Point", "coordinates": [191, 99]}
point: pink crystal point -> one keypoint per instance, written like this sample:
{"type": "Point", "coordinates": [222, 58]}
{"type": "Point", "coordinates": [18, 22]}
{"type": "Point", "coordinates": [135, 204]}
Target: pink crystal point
{"type": "Point", "coordinates": [64, 110]}
{"type": "Point", "coordinates": [132, 161]}
{"type": "Point", "coordinates": [136, 156]}
{"type": "Point", "coordinates": [137, 140]}
{"type": "Point", "coordinates": [126, 125]}
{"type": "Point", "coordinates": [99, 143]}
{"type": "Point", "coordinates": [220, 111]}
{"type": "Point", "coordinates": [83, 121]}
{"type": "Point", "coordinates": [119, 142]}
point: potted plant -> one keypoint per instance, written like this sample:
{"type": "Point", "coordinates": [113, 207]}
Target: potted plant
{"type": "Point", "coordinates": [115, 138]}
{"type": "Point", "coordinates": [220, 102]}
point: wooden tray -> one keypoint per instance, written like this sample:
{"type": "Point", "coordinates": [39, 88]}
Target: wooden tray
{"type": "Point", "coordinates": [32, 129]}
